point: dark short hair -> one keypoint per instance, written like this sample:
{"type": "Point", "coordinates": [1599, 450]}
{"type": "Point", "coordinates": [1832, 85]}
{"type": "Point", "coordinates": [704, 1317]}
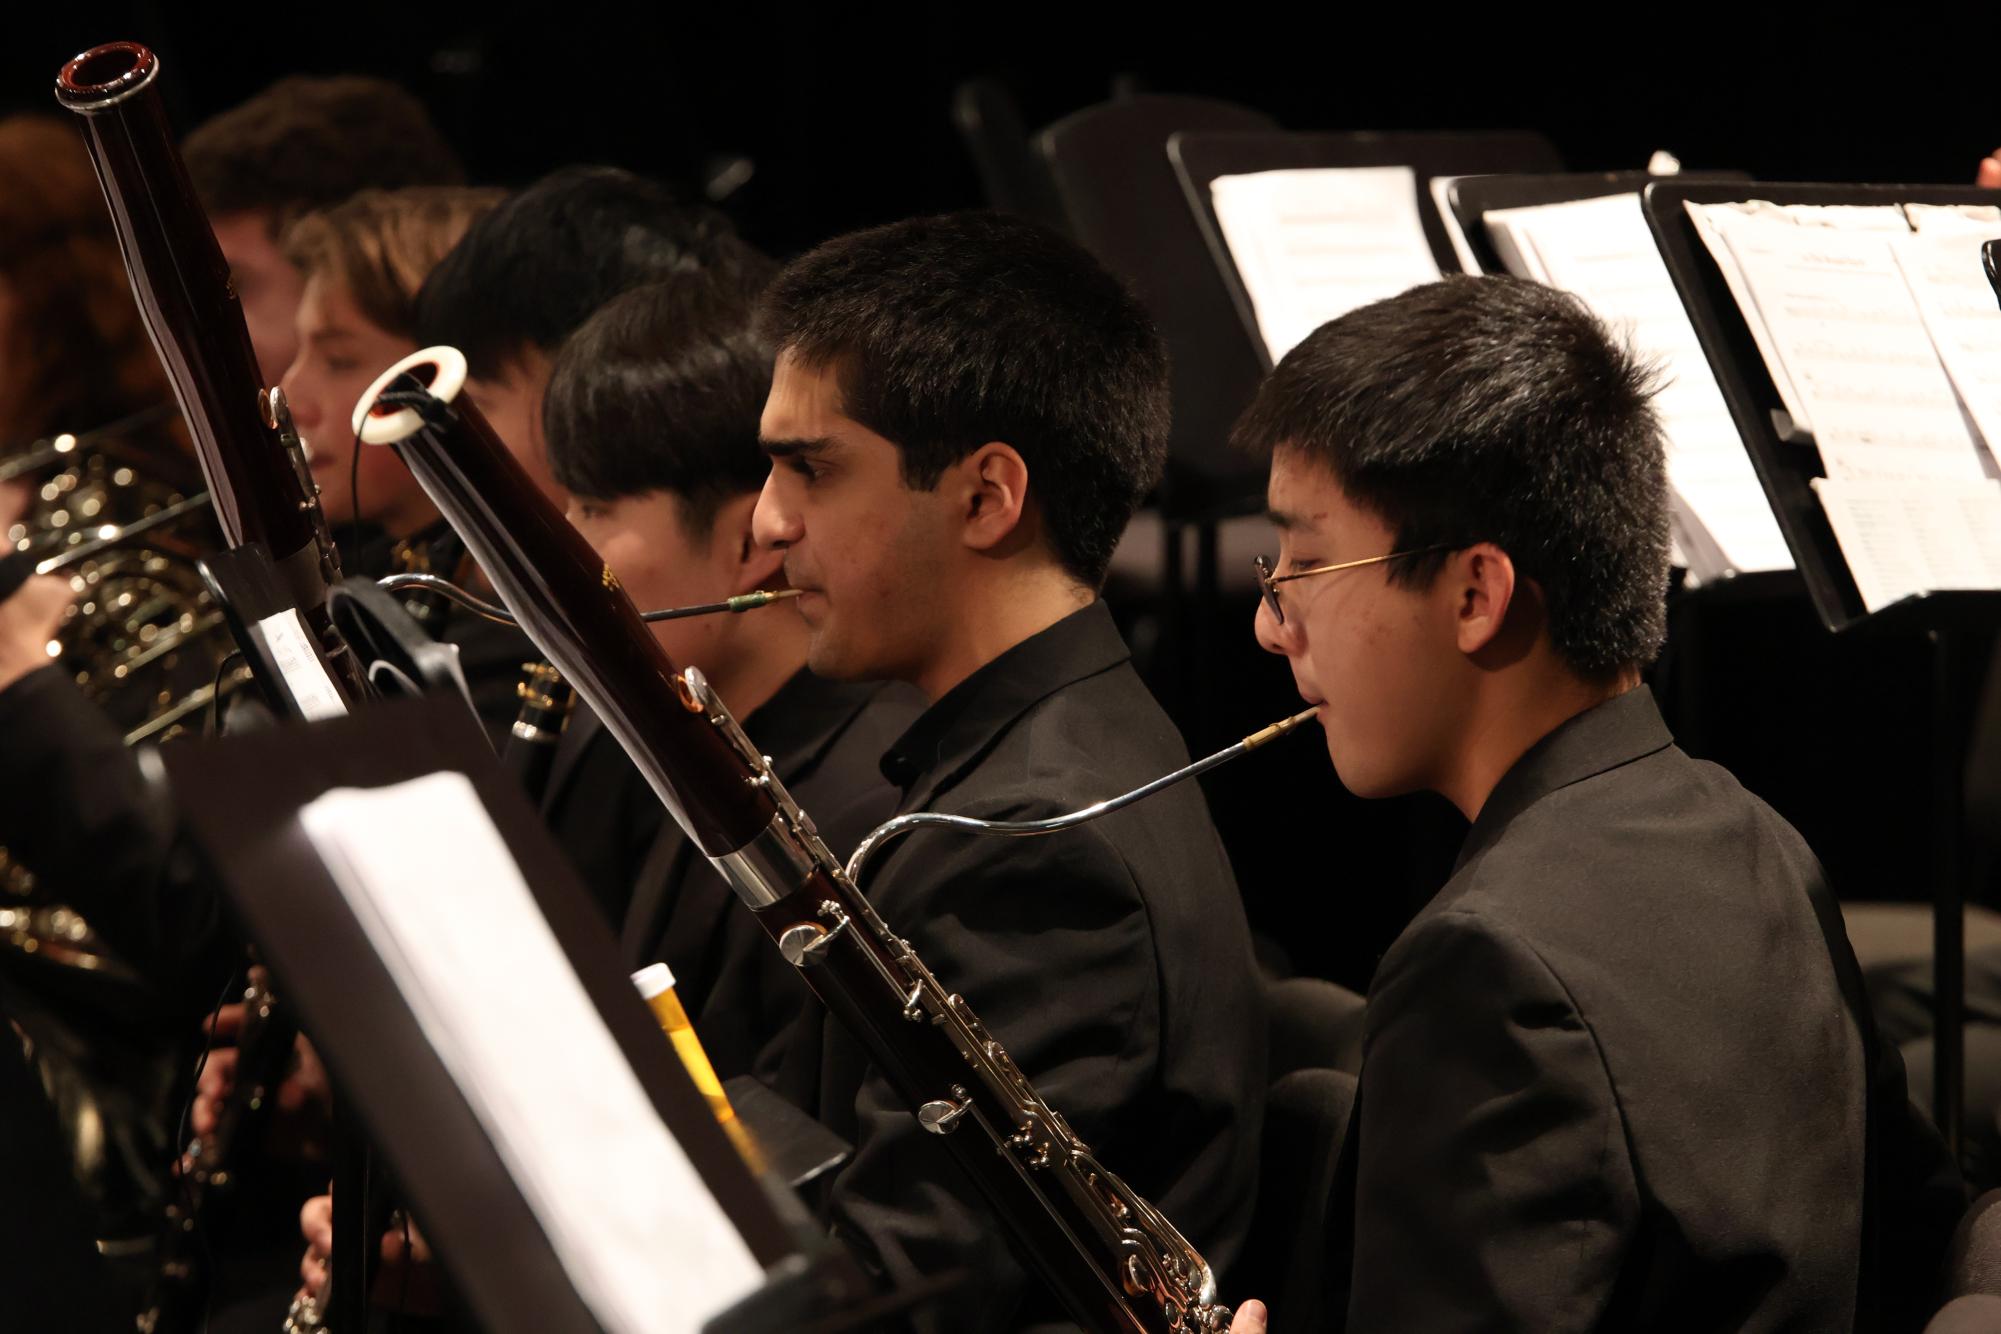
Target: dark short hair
{"type": "Point", "coordinates": [661, 390]}
{"type": "Point", "coordinates": [307, 143]}
{"type": "Point", "coordinates": [949, 332]}
{"type": "Point", "coordinates": [1493, 410]}
{"type": "Point", "coordinates": [533, 270]}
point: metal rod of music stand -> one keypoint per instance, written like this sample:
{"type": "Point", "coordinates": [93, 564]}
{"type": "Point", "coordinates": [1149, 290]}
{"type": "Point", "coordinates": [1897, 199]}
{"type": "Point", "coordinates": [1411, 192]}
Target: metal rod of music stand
{"type": "Point", "coordinates": [347, 1291]}
{"type": "Point", "coordinates": [1949, 891]}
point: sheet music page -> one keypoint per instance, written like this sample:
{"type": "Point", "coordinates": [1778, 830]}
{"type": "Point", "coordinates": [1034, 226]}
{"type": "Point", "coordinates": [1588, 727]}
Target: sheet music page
{"type": "Point", "coordinates": [1982, 218]}
{"type": "Point", "coordinates": [1708, 225]}
{"type": "Point", "coordinates": [1846, 328]}
{"type": "Point", "coordinates": [1709, 219]}
{"type": "Point", "coordinates": [428, 877]}
{"type": "Point", "coordinates": [1603, 251]}
{"type": "Point", "coordinates": [1962, 315]}
{"type": "Point", "coordinates": [1902, 538]}
{"type": "Point", "coordinates": [1316, 243]}
{"type": "Point", "coordinates": [1515, 244]}
{"type": "Point", "coordinates": [305, 676]}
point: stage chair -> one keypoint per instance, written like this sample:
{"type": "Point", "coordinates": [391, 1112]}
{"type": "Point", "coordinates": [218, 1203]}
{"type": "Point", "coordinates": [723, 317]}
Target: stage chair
{"type": "Point", "coordinates": [1314, 1024]}
{"type": "Point", "coordinates": [1973, 1266]}
{"type": "Point", "coordinates": [1011, 175]}
{"type": "Point", "coordinates": [1306, 1118]}
{"type": "Point", "coordinates": [1119, 192]}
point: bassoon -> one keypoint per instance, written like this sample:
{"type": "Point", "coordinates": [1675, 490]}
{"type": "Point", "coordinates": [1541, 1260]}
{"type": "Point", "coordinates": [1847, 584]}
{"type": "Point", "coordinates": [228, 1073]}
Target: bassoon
{"type": "Point", "coordinates": [1114, 1261]}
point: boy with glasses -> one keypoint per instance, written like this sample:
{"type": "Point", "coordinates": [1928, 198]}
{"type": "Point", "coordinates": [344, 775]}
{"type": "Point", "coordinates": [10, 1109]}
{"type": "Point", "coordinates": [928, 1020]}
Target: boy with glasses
{"type": "Point", "coordinates": [1618, 1073]}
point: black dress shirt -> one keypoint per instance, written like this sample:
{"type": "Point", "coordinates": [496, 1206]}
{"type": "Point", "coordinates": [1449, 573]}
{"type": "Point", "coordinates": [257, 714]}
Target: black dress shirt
{"type": "Point", "coordinates": [1619, 1074]}
{"type": "Point", "coordinates": [1112, 961]}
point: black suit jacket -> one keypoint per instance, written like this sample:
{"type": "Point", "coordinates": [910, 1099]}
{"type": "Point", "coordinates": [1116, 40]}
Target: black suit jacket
{"type": "Point", "coordinates": [601, 811]}
{"type": "Point", "coordinates": [1616, 1075]}
{"type": "Point", "coordinates": [1112, 961]}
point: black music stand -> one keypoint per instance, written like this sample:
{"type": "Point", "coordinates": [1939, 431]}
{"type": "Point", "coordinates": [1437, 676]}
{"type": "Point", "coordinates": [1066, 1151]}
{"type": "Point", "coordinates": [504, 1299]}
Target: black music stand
{"type": "Point", "coordinates": [1110, 168]}
{"type": "Point", "coordinates": [1199, 158]}
{"type": "Point", "coordinates": [241, 799]}
{"type": "Point", "coordinates": [1954, 622]}
{"type": "Point", "coordinates": [1012, 177]}
{"type": "Point", "coordinates": [1473, 197]}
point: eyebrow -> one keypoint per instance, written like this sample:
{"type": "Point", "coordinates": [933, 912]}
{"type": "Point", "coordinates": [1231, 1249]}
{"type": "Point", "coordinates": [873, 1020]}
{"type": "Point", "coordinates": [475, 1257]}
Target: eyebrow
{"type": "Point", "coordinates": [785, 449]}
{"type": "Point", "coordinates": [1286, 521]}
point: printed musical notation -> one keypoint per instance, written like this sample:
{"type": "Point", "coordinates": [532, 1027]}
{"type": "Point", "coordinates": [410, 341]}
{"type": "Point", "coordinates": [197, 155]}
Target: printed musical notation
{"type": "Point", "coordinates": [1313, 244]}
{"type": "Point", "coordinates": [1602, 251]}
{"type": "Point", "coordinates": [1884, 343]}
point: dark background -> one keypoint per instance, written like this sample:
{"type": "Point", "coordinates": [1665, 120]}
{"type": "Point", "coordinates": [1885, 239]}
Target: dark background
{"type": "Point", "coordinates": [844, 115]}
{"type": "Point", "coordinates": [844, 108]}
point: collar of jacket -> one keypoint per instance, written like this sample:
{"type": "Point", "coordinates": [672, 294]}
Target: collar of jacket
{"type": "Point", "coordinates": [954, 734]}
{"type": "Point", "coordinates": [1624, 728]}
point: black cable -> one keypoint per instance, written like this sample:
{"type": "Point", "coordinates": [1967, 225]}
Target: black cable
{"type": "Point", "coordinates": [417, 399]}
{"type": "Point", "coordinates": [215, 691]}
{"type": "Point", "coordinates": [354, 502]}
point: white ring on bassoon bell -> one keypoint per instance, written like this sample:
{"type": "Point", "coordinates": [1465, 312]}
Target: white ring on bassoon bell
{"type": "Point", "coordinates": [448, 366]}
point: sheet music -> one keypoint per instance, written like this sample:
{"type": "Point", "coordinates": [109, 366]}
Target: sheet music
{"type": "Point", "coordinates": [1843, 324]}
{"type": "Point", "coordinates": [298, 662]}
{"type": "Point", "coordinates": [1602, 250]}
{"type": "Point", "coordinates": [1709, 220]}
{"type": "Point", "coordinates": [1982, 218]}
{"type": "Point", "coordinates": [1902, 538]}
{"type": "Point", "coordinates": [1708, 225]}
{"type": "Point", "coordinates": [1961, 313]}
{"type": "Point", "coordinates": [1315, 243]}
{"type": "Point", "coordinates": [429, 879]}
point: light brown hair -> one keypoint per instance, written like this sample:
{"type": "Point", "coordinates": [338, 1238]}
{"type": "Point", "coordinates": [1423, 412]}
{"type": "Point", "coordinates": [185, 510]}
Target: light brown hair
{"type": "Point", "coordinates": [381, 244]}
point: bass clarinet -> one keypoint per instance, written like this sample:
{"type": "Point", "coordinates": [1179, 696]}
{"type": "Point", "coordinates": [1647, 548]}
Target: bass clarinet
{"type": "Point", "coordinates": [1111, 1257]}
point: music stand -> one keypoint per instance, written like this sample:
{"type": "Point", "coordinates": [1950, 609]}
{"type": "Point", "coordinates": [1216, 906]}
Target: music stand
{"type": "Point", "coordinates": [1200, 158]}
{"type": "Point", "coordinates": [241, 798]}
{"type": "Point", "coordinates": [1111, 173]}
{"type": "Point", "coordinates": [1954, 622]}
{"type": "Point", "coordinates": [1472, 198]}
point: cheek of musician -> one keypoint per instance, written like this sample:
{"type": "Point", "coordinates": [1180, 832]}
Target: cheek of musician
{"type": "Point", "coordinates": [665, 557]}
{"type": "Point", "coordinates": [267, 285]}
{"type": "Point", "coordinates": [880, 565]}
{"type": "Point", "coordinates": [1379, 658]}
{"type": "Point", "coordinates": [511, 402]}
{"type": "Point", "coordinates": [1386, 706]}
{"type": "Point", "coordinates": [340, 354]}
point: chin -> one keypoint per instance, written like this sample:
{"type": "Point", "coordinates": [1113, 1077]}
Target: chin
{"type": "Point", "coordinates": [1370, 782]}
{"type": "Point", "coordinates": [825, 660]}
